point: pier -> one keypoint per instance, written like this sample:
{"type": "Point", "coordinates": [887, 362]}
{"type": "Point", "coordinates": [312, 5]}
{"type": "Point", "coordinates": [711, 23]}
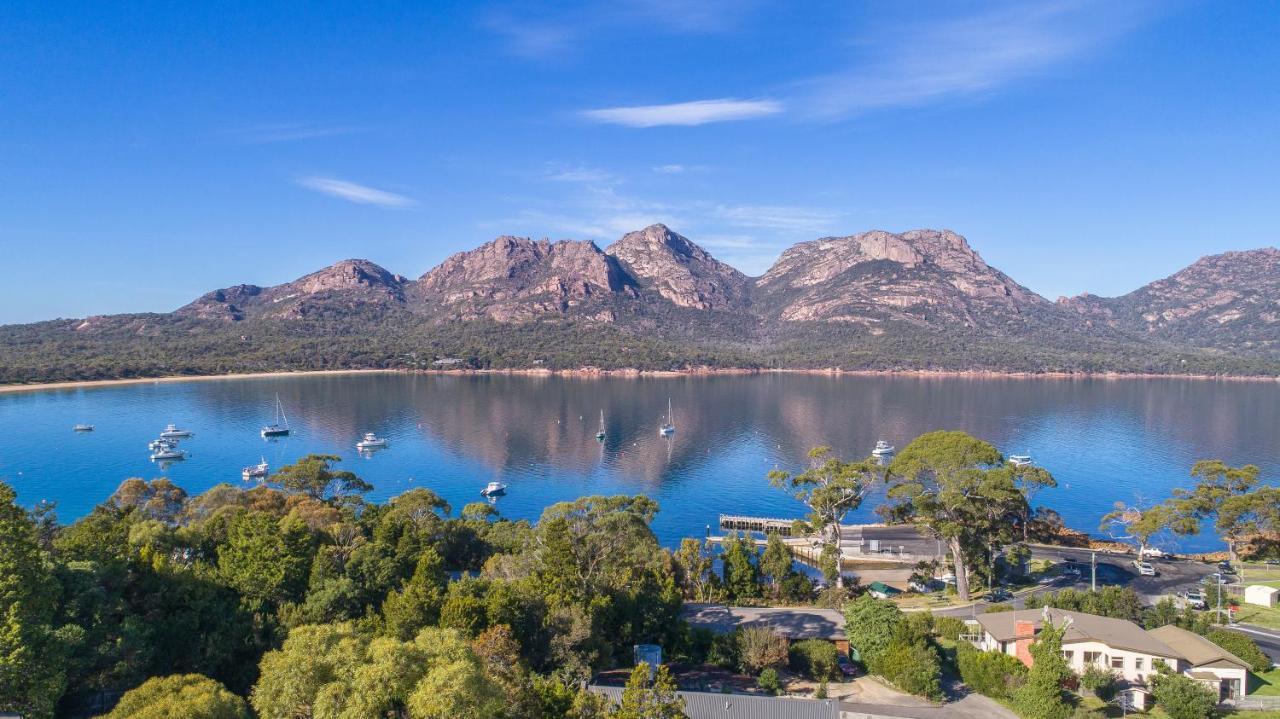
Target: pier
{"type": "Point", "coordinates": [744, 523]}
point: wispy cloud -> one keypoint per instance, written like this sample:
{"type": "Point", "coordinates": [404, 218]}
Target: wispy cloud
{"type": "Point", "coordinates": [669, 169]}
{"type": "Point", "coordinates": [697, 112]}
{"type": "Point", "coordinates": [353, 192]}
{"type": "Point", "coordinates": [956, 57]}
{"type": "Point", "coordinates": [581, 173]}
{"type": "Point", "coordinates": [784, 218]}
{"type": "Point", "coordinates": [271, 133]}
{"type": "Point", "coordinates": [530, 38]}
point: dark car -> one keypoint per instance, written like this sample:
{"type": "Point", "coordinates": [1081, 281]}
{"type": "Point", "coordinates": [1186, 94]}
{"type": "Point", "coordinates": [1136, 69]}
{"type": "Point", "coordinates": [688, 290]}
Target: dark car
{"type": "Point", "coordinates": [1273, 562]}
{"type": "Point", "coordinates": [1225, 568]}
{"type": "Point", "coordinates": [999, 594]}
{"type": "Point", "coordinates": [847, 668]}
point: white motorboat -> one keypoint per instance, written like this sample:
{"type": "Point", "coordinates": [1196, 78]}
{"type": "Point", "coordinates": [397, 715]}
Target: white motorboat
{"type": "Point", "coordinates": [83, 428]}
{"type": "Point", "coordinates": [371, 441]}
{"type": "Point", "coordinates": [279, 428]}
{"type": "Point", "coordinates": [882, 449]}
{"type": "Point", "coordinates": [167, 453]}
{"type": "Point", "coordinates": [669, 426]}
{"type": "Point", "coordinates": [493, 489]}
{"type": "Point", "coordinates": [157, 444]}
{"type": "Point", "coordinates": [257, 471]}
{"type": "Point", "coordinates": [1020, 460]}
{"type": "Point", "coordinates": [172, 432]}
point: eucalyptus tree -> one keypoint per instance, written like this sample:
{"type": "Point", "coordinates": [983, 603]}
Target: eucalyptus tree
{"type": "Point", "coordinates": [1126, 522]}
{"type": "Point", "coordinates": [831, 488]}
{"type": "Point", "coordinates": [1217, 485]}
{"type": "Point", "coordinates": [314, 476]}
{"type": "Point", "coordinates": [956, 488]}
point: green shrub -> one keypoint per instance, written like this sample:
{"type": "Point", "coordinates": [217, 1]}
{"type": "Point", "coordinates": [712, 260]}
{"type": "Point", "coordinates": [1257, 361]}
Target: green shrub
{"type": "Point", "coordinates": [1101, 682]}
{"type": "Point", "coordinates": [949, 627]}
{"type": "Point", "coordinates": [723, 651]}
{"type": "Point", "coordinates": [768, 681]}
{"type": "Point", "coordinates": [814, 658]}
{"type": "Point", "coordinates": [911, 666]}
{"type": "Point", "coordinates": [822, 690]}
{"type": "Point", "coordinates": [989, 673]}
{"type": "Point", "coordinates": [1243, 647]}
{"type": "Point", "coordinates": [1182, 697]}
{"type": "Point", "coordinates": [871, 624]}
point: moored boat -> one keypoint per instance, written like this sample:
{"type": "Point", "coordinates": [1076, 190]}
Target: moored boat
{"type": "Point", "coordinates": [494, 489]}
{"type": "Point", "coordinates": [173, 432]}
{"type": "Point", "coordinates": [83, 428]}
{"type": "Point", "coordinates": [257, 471]}
{"type": "Point", "coordinates": [279, 428]}
{"type": "Point", "coordinates": [882, 449]}
{"type": "Point", "coordinates": [371, 441]}
{"type": "Point", "coordinates": [669, 426]}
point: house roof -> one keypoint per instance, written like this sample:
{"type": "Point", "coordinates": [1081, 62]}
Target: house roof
{"type": "Point", "coordinates": [790, 622]}
{"type": "Point", "coordinates": [1117, 633]}
{"type": "Point", "coordinates": [1194, 648]}
{"type": "Point", "coordinates": [706, 705]}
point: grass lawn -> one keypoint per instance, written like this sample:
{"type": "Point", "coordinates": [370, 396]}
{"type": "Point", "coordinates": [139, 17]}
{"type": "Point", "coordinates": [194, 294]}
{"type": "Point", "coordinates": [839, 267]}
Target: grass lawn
{"type": "Point", "coordinates": [1262, 616]}
{"type": "Point", "coordinates": [1266, 684]}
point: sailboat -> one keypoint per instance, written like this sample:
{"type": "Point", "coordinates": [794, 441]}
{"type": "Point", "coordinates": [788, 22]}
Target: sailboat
{"type": "Point", "coordinates": [668, 427]}
{"type": "Point", "coordinates": [279, 428]}
{"type": "Point", "coordinates": [600, 434]}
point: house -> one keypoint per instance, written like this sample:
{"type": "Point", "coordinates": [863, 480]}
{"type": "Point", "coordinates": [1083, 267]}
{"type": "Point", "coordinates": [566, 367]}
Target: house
{"type": "Point", "coordinates": [794, 623]}
{"type": "Point", "coordinates": [1206, 662]}
{"type": "Point", "coordinates": [1262, 595]}
{"type": "Point", "coordinates": [706, 705]}
{"type": "Point", "coordinates": [1130, 652]}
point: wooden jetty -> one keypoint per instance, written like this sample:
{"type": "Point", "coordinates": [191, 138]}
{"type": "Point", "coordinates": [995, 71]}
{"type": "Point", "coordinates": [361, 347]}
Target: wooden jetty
{"type": "Point", "coordinates": [743, 523]}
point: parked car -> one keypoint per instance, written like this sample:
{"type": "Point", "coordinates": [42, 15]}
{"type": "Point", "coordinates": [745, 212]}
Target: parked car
{"type": "Point", "coordinates": [1144, 568]}
{"type": "Point", "coordinates": [1226, 568]}
{"type": "Point", "coordinates": [847, 667]}
{"type": "Point", "coordinates": [1216, 578]}
{"type": "Point", "coordinates": [1156, 553]}
{"type": "Point", "coordinates": [1194, 598]}
{"type": "Point", "coordinates": [1273, 562]}
{"type": "Point", "coordinates": [999, 594]}
{"type": "Point", "coordinates": [1071, 570]}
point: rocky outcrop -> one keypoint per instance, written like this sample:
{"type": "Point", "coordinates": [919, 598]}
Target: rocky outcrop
{"type": "Point", "coordinates": [347, 286]}
{"type": "Point", "coordinates": [920, 276]}
{"type": "Point", "coordinates": [680, 271]}
{"type": "Point", "coordinates": [515, 279]}
{"type": "Point", "coordinates": [1231, 300]}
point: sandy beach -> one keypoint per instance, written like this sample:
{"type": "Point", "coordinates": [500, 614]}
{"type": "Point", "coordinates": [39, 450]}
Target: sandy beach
{"type": "Point", "coordinates": [594, 372]}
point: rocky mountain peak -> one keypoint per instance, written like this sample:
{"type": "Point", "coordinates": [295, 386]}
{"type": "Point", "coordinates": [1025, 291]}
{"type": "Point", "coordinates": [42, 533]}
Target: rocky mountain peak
{"type": "Point", "coordinates": [679, 270]}
{"type": "Point", "coordinates": [513, 279]}
{"type": "Point", "coordinates": [345, 284]}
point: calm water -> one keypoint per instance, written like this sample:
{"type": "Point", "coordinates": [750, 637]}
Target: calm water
{"type": "Point", "coordinates": [1103, 440]}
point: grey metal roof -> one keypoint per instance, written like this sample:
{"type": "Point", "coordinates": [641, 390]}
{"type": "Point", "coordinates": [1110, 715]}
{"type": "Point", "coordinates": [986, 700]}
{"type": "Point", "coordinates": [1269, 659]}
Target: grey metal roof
{"type": "Point", "coordinates": [1197, 650]}
{"type": "Point", "coordinates": [790, 622]}
{"type": "Point", "coordinates": [706, 705]}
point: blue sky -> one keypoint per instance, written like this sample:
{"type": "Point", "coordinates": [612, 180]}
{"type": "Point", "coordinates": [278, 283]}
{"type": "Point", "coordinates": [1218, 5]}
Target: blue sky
{"type": "Point", "coordinates": [150, 152]}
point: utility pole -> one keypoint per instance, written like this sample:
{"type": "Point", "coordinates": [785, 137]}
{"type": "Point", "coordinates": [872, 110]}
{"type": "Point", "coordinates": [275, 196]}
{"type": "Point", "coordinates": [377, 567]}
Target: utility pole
{"type": "Point", "coordinates": [1093, 571]}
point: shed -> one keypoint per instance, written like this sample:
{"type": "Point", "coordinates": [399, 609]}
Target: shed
{"type": "Point", "coordinates": [1262, 595]}
{"type": "Point", "coordinates": [880, 590]}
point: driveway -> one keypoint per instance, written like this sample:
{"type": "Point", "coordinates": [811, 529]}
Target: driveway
{"type": "Point", "coordinates": [874, 698]}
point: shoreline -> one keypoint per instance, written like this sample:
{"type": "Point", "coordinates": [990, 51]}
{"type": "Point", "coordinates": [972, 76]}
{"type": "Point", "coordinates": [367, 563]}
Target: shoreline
{"type": "Point", "coordinates": [595, 373]}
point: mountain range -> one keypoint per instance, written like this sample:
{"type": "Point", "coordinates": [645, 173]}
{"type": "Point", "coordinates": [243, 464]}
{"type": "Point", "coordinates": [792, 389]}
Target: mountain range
{"type": "Point", "coordinates": [922, 299]}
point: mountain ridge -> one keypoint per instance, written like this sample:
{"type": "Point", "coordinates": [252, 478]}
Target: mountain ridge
{"type": "Point", "coordinates": [654, 299]}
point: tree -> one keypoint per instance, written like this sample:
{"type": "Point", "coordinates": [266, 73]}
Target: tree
{"type": "Point", "coordinates": [1217, 484]}
{"type": "Point", "coordinates": [32, 675]}
{"type": "Point", "coordinates": [759, 648]}
{"type": "Point", "coordinates": [265, 558]}
{"type": "Point", "coordinates": [1041, 697]}
{"type": "Point", "coordinates": [1245, 516]}
{"type": "Point", "coordinates": [1127, 522]}
{"type": "Point", "coordinates": [417, 605]}
{"type": "Point", "coordinates": [158, 499]}
{"type": "Point", "coordinates": [1031, 479]}
{"type": "Point", "coordinates": [776, 561]}
{"type": "Point", "coordinates": [645, 699]}
{"type": "Point", "coordinates": [952, 485]}
{"type": "Point", "coordinates": [1182, 697]}
{"type": "Point", "coordinates": [313, 476]}
{"type": "Point", "coordinates": [871, 624]}
{"type": "Point", "coordinates": [830, 488]}
{"type": "Point", "coordinates": [696, 572]}
{"type": "Point", "coordinates": [180, 695]}
{"type": "Point", "coordinates": [741, 573]}
{"type": "Point", "coordinates": [1241, 646]}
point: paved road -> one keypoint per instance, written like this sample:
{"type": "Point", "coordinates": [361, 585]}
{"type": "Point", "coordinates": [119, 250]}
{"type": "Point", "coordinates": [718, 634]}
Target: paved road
{"type": "Point", "coordinates": [1173, 575]}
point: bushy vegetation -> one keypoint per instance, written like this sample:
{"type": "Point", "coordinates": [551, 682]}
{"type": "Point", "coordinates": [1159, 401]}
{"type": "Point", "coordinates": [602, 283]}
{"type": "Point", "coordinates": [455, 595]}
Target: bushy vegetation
{"type": "Point", "coordinates": [895, 646]}
{"type": "Point", "coordinates": [301, 593]}
{"type": "Point", "coordinates": [1114, 602]}
{"type": "Point", "coordinates": [1182, 697]}
{"type": "Point", "coordinates": [814, 658]}
{"type": "Point", "coordinates": [1241, 646]}
{"type": "Point", "coordinates": [992, 674]}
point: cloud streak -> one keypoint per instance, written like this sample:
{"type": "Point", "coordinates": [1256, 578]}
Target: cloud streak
{"type": "Point", "coordinates": [272, 133]}
{"type": "Point", "coordinates": [697, 112]}
{"type": "Point", "coordinates": [965, 56]}
{"type": "Point", "coordinates": [353, 192]}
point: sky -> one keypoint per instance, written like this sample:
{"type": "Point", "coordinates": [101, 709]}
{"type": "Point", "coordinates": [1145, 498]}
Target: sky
{"type": "Point", "coordinates": [151, 152]}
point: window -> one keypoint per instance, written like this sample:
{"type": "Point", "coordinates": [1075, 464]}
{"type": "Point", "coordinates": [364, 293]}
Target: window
{"type": "Point", "coordinates": [1092, 657]}
{"type": "Point", "coordinates": [1004, 647]}
{"type": "Point", "coordinates": [1137, 663]}
{"type": "Point", "coordinates": [1117, 662]}
{"type": "Point", "coordinates": [1068, 655]}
